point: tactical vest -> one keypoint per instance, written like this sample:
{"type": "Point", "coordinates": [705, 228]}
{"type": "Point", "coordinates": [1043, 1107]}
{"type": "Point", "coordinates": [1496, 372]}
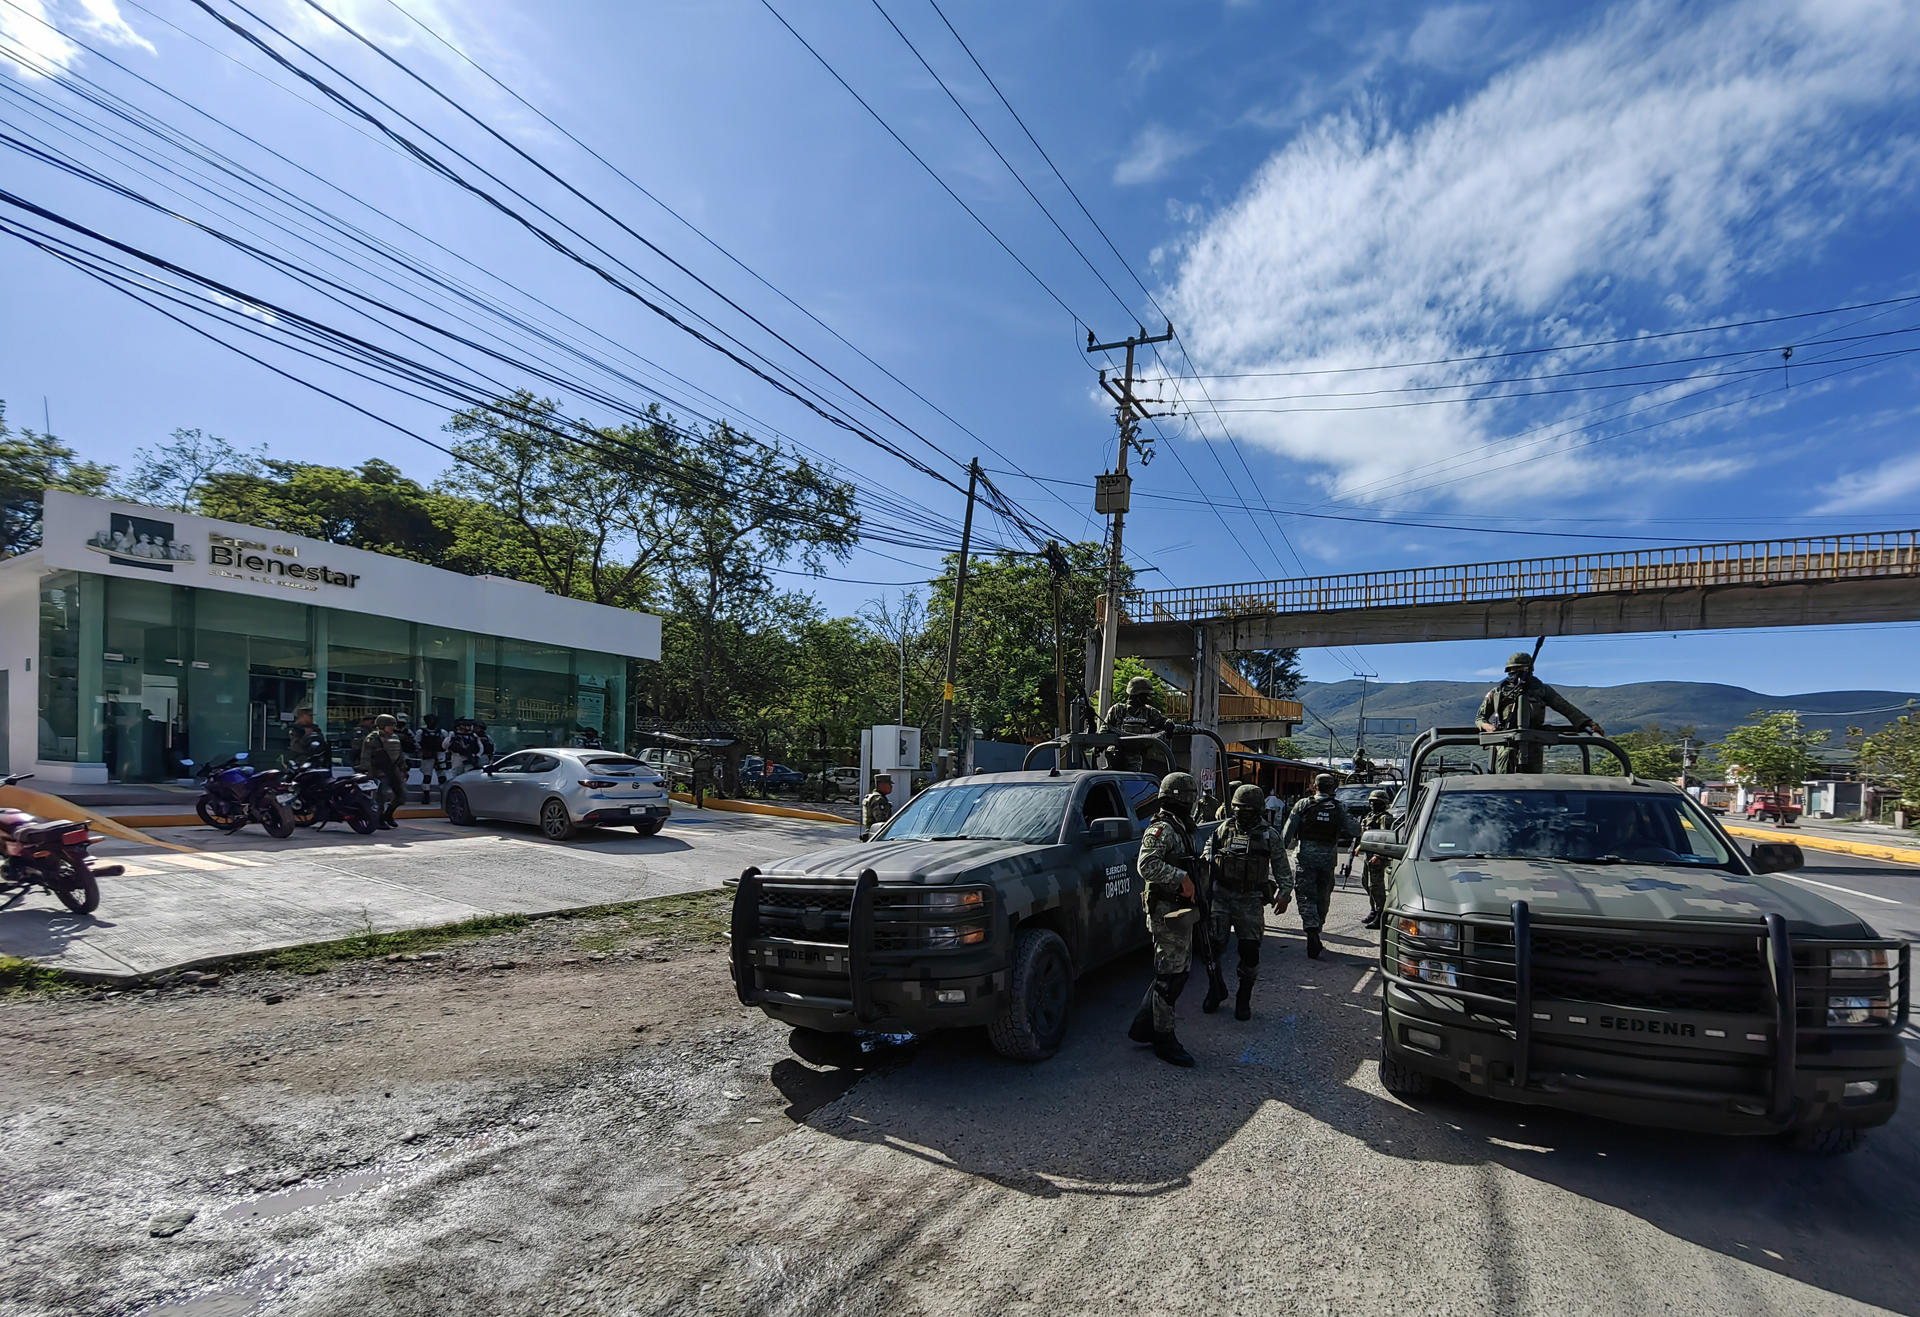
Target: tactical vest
{"type": "Point", "coordinates": [1243, 860]}
{"type": "Point", "coordinates": [1319, 821]}
{"type": "Point", "coordinates": [432, 740]}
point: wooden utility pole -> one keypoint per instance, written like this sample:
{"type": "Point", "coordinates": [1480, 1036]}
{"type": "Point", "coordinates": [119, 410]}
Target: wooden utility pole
{"type": "Point", "coordinates": [1112, 494]}
{"type": "Point", "coordinates": [1057, 573]}
{"type": "Point", "coordinates": [953, 630]}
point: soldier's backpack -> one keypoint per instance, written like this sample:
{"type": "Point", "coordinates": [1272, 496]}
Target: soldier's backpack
{"type": "Point", "coordinates": [1320, 820]}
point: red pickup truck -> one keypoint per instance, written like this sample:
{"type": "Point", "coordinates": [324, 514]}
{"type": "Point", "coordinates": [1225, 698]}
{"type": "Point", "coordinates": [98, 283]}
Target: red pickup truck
{"type": "Point", "coordinates": [1772, 807]}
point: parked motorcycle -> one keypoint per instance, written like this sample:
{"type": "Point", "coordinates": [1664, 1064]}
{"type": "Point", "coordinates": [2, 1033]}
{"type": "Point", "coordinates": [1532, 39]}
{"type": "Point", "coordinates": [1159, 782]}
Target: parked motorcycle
{"type": "Point", "coordinates": [319, 798]}
{"type": "Point", "coordinates": [50, 853]}
{"type": "Point", "coordinates": [236, 794]}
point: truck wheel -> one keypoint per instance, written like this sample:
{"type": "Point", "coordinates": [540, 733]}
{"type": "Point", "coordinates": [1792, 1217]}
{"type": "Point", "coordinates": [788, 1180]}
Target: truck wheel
{"type": "Point", "coordinates": [1034, 1023]}
{"type": "Point", "coordinates": [1831, 1141]}
{"type": "Point", "coordinates": [1400, 1079]}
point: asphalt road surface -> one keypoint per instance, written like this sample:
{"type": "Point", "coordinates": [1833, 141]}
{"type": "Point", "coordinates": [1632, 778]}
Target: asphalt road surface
{"type": "Point", "coordinates": [478, 1139]}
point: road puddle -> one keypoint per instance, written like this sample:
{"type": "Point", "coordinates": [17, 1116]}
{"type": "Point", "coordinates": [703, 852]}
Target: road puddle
{"type": "Point", "coordinates": [238, 1297]}
{"type": "Point", "coordinates": [311, 1194]}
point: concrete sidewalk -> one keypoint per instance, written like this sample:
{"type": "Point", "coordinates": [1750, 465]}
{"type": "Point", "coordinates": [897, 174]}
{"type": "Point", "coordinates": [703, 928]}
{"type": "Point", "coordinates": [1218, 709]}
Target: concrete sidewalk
{"type": "Point", "coordinates": [1870, 840]}
{"type": "Point", "coordinates": [247, 893]}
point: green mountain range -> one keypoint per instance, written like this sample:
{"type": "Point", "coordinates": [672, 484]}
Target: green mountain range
{"type": "Point", "coordinates": [1711, 709]}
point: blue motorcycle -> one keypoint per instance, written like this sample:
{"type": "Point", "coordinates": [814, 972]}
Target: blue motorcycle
{"type": "Point", "coordinates": [235, 793]}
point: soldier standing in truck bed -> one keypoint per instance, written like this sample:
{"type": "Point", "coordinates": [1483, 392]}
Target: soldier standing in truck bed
{"type": "Point", "coordinates": [1521, 701]}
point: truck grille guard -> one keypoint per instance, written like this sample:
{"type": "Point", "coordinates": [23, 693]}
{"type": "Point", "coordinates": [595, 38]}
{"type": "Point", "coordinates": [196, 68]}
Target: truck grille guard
{"type": "Point", "coordinates": [869, 922]}
{"type": "Point", "coordinates": [1503, 986]}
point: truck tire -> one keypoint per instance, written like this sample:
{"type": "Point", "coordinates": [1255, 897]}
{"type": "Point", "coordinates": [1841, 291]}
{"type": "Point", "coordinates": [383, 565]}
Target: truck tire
{"type": "Point", "coordinates": [1040, 1000]}
{"type": "Point", "coordinates": [1400, 1079]}
{"type": "Point", "coordinates": [1830, 1141]}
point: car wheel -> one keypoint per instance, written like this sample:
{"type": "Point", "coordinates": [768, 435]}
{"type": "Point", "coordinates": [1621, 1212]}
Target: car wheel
{"type": "Point", "coordinates": [554, 819]}
{"type": "Point", "coordinates": [458, 811]}
{"type": "Point", "coordinates": [650, 829]}
{"type": "Point", "coordinates": [1830, 1141]}
{"type": "Point", "coordinates": [1033, 1024]}
{"type": "Point", "coordinates": [1401, 1079]}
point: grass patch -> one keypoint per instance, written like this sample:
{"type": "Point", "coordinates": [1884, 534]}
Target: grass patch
{"type": "Point", "coordinates": [692, 919]}
{"type": "Point", "coordinates": [317, 957]}
{"type": "Point", "coordinates": [27, 978]}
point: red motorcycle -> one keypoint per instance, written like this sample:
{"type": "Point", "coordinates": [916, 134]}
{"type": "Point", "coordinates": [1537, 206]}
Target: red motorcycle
{"type": "Point", "coordinates": [49, 853]}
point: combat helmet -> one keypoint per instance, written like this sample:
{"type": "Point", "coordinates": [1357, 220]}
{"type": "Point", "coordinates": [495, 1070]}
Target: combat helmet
{"type": "Point", "coordinates": [1248, 797]}
{"type": "Point", "coordinates": [1179, 788]}
{"type": "Point", "coordinates": [1139, 686]}
{"type": "Point", "coordinates": [1380, 798]}
{"type": "Point", "coordinates": [1520, 660]}
{"type": "Point", "coordinates": [1325, 782]}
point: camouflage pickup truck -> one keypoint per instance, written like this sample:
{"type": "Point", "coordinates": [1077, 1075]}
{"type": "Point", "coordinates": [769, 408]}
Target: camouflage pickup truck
{"type": "Point", "coordinates": [1589, 940]}
{"type": "Point", "coordinates": [979, 903]}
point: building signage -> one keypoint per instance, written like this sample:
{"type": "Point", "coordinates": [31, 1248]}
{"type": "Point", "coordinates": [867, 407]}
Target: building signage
{"type": "Point", "coordinates": [140, 542]}
{"type": "Point", "coordinates": [270, 564]}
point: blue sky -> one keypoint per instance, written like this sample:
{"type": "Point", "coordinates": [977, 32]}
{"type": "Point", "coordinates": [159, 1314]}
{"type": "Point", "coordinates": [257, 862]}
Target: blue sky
{"type": "Point", "coordinates": [1311, 192]}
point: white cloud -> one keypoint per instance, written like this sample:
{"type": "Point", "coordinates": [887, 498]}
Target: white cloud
{"type": "Point", "coordinates": [26, 25]}
{"type": "Point", "coordinates": [1644, 159]}
{"type": "Point", "coordinates": [1156, 150]}
{"type": "Point", "coordinates": [1892, 481]}
{"type": "Point", "coordinates": [101, 19]}
{"type": "Point", "coordinates": [1451, 35]}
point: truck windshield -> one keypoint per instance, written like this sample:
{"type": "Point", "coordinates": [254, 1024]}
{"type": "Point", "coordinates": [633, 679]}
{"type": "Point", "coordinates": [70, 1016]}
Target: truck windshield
{"type": "Point", "coordinates": [1580, 827]}
{"type": "Point", "coordinates": [997, 811]}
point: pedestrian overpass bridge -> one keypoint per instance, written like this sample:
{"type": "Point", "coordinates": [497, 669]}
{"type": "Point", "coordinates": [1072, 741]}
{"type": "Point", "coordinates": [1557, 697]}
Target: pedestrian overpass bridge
{"type": "Point", "coordinates": [1822, 580]}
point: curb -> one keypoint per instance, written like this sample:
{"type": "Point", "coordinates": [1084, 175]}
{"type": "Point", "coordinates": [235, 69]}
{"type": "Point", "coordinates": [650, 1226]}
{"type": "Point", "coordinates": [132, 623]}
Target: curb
{"type": "Point", "coordinates": [1814, 842]}
{"type": "Point", "coordinates": [771, 811]}
{"type": "Point", "coordinates": [131, 821]}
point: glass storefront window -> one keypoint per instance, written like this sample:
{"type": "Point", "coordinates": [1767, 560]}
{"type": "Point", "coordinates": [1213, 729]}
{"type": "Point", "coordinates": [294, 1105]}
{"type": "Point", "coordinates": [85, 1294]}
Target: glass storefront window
{"type": "Point", "coordinates": [143, 675]}
{"type": "Point", "coordinates": [62, 728]}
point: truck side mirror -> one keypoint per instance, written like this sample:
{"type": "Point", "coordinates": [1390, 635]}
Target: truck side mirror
{"type": "Point", "coordinates": [1775, 857]}
{"type": "Point", "coordinates": [1383, 841]}
{"type": "Point", "coordinates": [1109, 832]}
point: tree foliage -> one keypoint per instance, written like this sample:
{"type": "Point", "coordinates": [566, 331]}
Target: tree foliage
{"type": "Point", "coordinates": [1654, 751]}
{"type": "Point", "coordinates": [1771, 750]}
{"type": "Point", "coordinates": [174, 473]}
{"type": "Point", "coordinates": [31, 463]}
{"type": "Point", "coordinates": [1891, 757]}
{"type": "Point", "coordinates": [1275, 673]}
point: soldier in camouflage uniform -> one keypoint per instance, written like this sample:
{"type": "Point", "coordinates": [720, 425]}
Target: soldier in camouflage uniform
{"type": "Point", "coordinates": [876, 808]}
{"type": "Point", "coordinates": [1225, 809]}
{"type": "Point", "coordinates": [1248, 867]}
{"type": "Point", "coordinates": [1374, 868]}
{"type": "Point", "coordinates": [1521, 701]}
{"type": "Point", "coordinates": [1136, 716]}
{"type": "Point", "coordinates": [1318, 823]}
{"type": "Point", "coordinates": [1168, 860]}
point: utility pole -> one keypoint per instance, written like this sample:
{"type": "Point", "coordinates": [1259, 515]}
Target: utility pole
{"type": "Point", "coordinates": [1360, 731]}
{"type": "Point", "coordinates": [953, 631]}
{"type": "Point", "coordinates": [1112, 495]}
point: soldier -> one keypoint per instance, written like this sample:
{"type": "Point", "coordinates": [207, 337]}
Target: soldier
{"type": "Point", "coordinates": [1225, 809]}
{"type": "Point", "coordinates": [384, 759]}
{"type": "Point", "coordinates": [1249, 869]}
{"type": "Point", "coordinates": [1168, 859]}
{"type": "Point", "coordinates": [1317, 823]}
{"type": "Point", "coordinates": [1522, 701]}
{"type": "Point", "coordinates": [1374, 871]}
{"type": "Point", "coordinates": [1136, 716]}
{"type": "Point", "coordinates": [876, 808]}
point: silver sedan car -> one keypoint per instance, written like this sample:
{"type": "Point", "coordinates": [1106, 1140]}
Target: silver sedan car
{"type": "Point", "coordinates": [562, 790]}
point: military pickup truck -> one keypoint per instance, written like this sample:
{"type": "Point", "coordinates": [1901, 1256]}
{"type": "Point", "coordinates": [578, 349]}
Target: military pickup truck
{"type": "Point", "coordinates": [1593, 941]}
{"type": "Point", "coordinates": [979, 902]}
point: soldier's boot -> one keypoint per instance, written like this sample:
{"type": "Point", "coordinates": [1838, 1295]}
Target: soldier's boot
{"type": "Point", "coordinates": [1243, 1003]}
{"type": "Point", "coordinates": [1249, 971]}
{"type": "Point", "coordinates": [1216, 991]}
{"type": "Point", "coordinates": [1141, 1030]}
{"type": "Point", "coordinates": [1313, 944]}
{"type": "Point", "coordinates": [1373, 918]}
{"type": "Point", "coordinates": [1168, 1049]}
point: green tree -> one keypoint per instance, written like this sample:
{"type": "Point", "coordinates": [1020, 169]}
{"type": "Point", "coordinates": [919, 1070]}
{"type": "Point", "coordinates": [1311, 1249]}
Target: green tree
{"type": "Point", "coordinates": [372, 506]}
{"type": "Point", "coordinates": [1891, 757]}
{"type": "Point", "coordinates": [30, 464]}
{"type": "Point", "coordinates": [1006, 636]}
{"type": "Point", "coordinates": [599, 510]}
{"type": "Point", "coordinates": [1655, 752]}
{"type": "Point", "coordinates": [1275, 673]}
{"type": "Point", "coordinates": [1772, 751]}
{"type": "Point", "coordinates": [175, 472]}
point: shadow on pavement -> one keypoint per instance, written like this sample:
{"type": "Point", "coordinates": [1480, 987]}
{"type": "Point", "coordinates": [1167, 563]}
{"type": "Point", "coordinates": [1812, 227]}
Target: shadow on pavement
{"type": "Point", "coordinates": [1068, 1126]}
{"type": "Point", "coordinates": [42, 932]}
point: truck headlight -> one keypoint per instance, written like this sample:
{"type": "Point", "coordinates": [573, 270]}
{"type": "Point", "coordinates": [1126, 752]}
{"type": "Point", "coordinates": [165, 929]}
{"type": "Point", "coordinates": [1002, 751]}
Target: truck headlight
{"type": "Point", "coordinates": [1440, 972]}
{"type": "Point", "coordinates": [1436, 931]}
{"type": "Point", "coordinates": [961, 901]}
{"type": "Point", "coordinates": [956, 935]}
{"type": "Point", "coordinates": [1859, 960]}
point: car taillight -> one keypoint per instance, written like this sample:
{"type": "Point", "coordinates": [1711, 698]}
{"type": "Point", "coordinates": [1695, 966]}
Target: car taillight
{"type": "Point", "coordinates": [598, 783]}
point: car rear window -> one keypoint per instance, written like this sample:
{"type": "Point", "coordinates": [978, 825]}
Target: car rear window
{"type": "Point", "coordinates": [1581, 827]}
{"type": "Point", "coordinates": [615, 762]}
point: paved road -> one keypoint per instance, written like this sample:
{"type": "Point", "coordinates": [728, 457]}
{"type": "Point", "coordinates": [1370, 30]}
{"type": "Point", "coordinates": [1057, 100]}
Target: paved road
{"type": "Point", "coordinates": [248, 892]}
